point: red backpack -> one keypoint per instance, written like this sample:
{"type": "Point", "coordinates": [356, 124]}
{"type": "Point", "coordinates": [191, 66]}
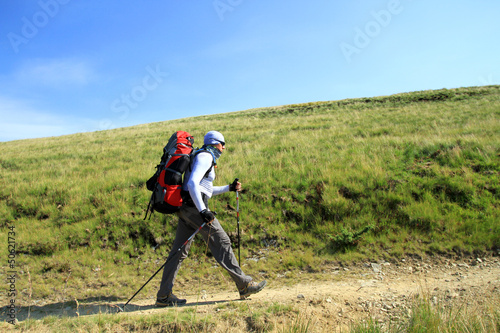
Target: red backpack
{"type": "Point", "coordinates": [166, 183]}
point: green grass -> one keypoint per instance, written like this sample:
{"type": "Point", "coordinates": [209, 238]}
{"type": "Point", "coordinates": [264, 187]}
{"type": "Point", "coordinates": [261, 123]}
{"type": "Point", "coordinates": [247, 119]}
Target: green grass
{"type": "Point", "coordinates": [426, 316]}
{"type": "Point", "coordinates": [169, 322]}
{"type": "Point", "coordinates": [368, 178]}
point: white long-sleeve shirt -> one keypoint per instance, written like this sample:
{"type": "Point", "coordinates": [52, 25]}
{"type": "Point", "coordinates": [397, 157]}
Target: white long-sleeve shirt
{"type": "Point", "coordinates": [197, 183]}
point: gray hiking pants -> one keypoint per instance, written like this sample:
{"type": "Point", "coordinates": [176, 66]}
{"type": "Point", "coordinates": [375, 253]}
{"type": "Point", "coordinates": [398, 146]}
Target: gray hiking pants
{"type": "Point", "coordinates": [218, 242]}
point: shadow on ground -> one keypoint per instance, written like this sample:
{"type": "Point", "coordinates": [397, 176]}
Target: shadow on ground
{"type": "Point", "coordinates": [88, 307]}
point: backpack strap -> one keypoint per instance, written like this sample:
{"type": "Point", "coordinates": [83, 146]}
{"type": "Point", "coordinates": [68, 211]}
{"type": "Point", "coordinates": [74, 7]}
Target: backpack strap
{"type": "Point", "coordinates": [174, 171]}
{"type": "Point", "coordinates": [201, 150]}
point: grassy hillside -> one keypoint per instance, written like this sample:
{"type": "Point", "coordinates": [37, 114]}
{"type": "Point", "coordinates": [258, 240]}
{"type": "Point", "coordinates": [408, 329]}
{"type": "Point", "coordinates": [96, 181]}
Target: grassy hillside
{"type": "Point", "coordinates": [386, 177]}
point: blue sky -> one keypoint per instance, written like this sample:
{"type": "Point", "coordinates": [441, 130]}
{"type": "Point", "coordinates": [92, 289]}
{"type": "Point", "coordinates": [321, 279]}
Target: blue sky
{"type": "Point", "coordinates": [69, 66]}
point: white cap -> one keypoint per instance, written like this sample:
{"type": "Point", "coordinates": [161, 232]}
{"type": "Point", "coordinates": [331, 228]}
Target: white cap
{"type": "Point", "coordinates": [213, 138]}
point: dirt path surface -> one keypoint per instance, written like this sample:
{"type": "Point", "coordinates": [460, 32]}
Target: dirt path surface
{"type": "Point", "coordinates": [337, 297]}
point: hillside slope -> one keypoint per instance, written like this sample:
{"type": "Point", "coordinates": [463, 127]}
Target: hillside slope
{"type": "Point", "coordinates": [412, 174]}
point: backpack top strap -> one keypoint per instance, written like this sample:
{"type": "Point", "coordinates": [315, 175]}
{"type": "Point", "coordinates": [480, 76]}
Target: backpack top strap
{"type": "Point", "coordinates": [201, 150]}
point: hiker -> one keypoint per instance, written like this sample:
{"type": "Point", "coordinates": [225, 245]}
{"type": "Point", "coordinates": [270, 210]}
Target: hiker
{"type": "Point", "coordinates": [198, 187]}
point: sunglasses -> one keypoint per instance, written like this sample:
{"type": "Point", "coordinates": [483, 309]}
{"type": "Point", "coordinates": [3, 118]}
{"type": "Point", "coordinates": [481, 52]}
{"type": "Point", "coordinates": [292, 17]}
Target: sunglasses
{"type": "Point", "coordinates": [222, 143]}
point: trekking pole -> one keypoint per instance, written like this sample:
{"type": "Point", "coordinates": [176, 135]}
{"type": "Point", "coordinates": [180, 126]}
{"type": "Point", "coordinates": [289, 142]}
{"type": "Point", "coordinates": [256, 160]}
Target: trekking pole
{"type": "Point", "coordinates": [238, 222]}
{"type": "Point", "coordinates": [179, 250]}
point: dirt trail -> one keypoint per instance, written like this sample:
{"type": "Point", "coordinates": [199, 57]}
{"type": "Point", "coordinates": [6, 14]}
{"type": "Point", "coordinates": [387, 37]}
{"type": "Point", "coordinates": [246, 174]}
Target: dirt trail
{"type": "Point", "coordinates": [381, 291]}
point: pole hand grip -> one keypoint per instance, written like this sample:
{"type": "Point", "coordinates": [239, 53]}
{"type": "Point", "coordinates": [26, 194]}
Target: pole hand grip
{"type": "Point", "coordinates": [232, 186]}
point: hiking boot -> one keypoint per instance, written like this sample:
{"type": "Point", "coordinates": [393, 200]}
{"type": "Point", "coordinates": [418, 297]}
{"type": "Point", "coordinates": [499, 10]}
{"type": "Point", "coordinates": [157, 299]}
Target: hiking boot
{"type": "Point", "coordinates": [170, 300]}
{"type": "Point", "coordinates": [252, 288]}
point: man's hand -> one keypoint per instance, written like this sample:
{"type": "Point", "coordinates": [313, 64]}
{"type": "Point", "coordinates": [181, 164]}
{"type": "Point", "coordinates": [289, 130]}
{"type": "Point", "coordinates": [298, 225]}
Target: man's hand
{"type": "Point", "coordinates": [235, 186]}
{"type": "Point", "coordinates": [207, 216]}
